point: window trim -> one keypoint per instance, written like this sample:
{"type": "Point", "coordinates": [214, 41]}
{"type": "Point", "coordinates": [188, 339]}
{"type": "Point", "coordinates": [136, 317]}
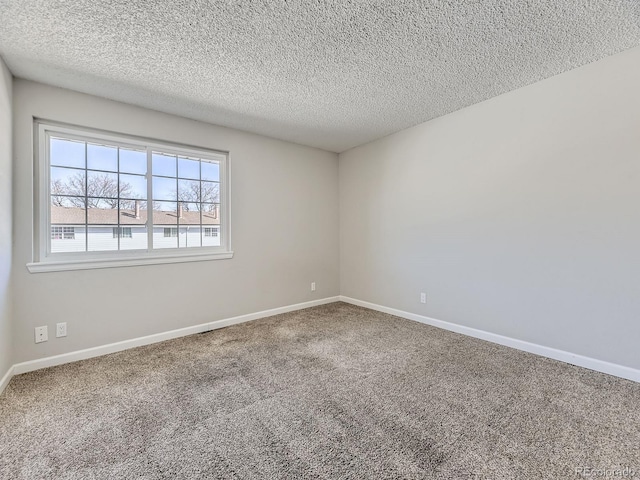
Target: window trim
{"type": "Point", "coordinates": [46, 261]}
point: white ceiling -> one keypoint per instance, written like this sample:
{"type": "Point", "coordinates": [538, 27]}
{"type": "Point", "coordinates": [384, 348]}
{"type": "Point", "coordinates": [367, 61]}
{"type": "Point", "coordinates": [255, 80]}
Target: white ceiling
{"type": "Point", "coordinates": [330, 74]}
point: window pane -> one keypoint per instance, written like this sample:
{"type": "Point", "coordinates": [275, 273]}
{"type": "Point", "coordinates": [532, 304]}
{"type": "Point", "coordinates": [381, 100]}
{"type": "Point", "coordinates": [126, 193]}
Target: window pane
{"type": "Point", "coordinates": [133, 209]}
{"type": "Point", "coordinates": [210, 192]}
{"type": "Point", "coordinates": [189, 213]}
{"type": "Point", "coordinates": [67, 181]}
{"type": "Point", "coordinates": [188, 168]}
{"type": "Point", "coordinates": [189, 190]}
{"type": "Point", "coordinates": [210, 213]}
{"type": "Point", "coordinates": [67, 225]}
{"type": "Point", "coordinates": [66, 153]}
{"type": "Point", "coordinates": [133, 186]}
{"type": "Point", "coordinates": [211, 224]}
{"type": "Point", "coordinates": [102, 214]}
{"type": "Point", "coordinates": [163, 164]}
{"type": "Point", "coordinates": [133, 161]}
{"type": "Point", "coordinates": [189, 236]}
{"type": "Point", "coordinates": [133, 218]}
{"type": "Point", "coordinates": [101, 157]}
{"type": "Point", "coordinates": [102, 184]}
{"type": "Point", "coordinates": [164, 188]}
{"type": "Point", "coordinates": [165, 218]}
{"type": "Point", "coordinates": [210, 171]}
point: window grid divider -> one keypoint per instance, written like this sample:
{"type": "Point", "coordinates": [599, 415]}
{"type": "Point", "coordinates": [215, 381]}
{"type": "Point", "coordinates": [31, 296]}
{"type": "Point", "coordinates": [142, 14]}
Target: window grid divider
{"type": "Point", "coordinates": [149, 201]}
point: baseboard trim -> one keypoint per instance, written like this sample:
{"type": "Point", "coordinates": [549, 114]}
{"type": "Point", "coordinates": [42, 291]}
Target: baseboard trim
{"type": "Point", "coordinates": [53, 361]}
{"type": "Point", "coordinates": [561, 355]}
{"type": "Point", "coordinates": [5, 380]}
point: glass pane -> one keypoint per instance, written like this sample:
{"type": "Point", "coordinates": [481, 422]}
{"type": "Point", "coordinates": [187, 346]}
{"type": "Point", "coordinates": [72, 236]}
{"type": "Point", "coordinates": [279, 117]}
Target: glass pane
{"type": "Point", "coordinates": [189, 236]}
{"type": "Point", "coordinates": [133, 186]}
{"type": "Point", "coordinates": [188, 168]}
{"type": "Point", "coordinates": [102, 211]}
{"type": "Point", "coordinates": [165, 224]}
{"type": "Point", "coordinates": [210, 214]}
{"type": "Point", "coordinates": [102, 184]}
{"type": "Point", "coordinates": [210, 171]}
{"type": "Point", "coordinates": [164, 188]}
{"type": "Point", "coordinates": [66, 153]}
{"type": "Point", "coordinates": [67, 225]}
{"type": "Point", "coordinates": [163, 164]}
{"type": "Point", "coordinates": [101, 157]}
{"type": "Point", "coordinates": [67, 181]}
{"type": "Point", "coordinates": [210, 192]}
{"type": "Point", "coordinates": [102, 216]}
{"type": "Point", "coordinates": [133, 209]}
{"type": "Point", "coordinates": [133, 161]}
{"type": "Point", "coordinates": [133, 235]}
{"type": "Point", "coordinates": [189, 190]}
{"type": "Point", "coordinates": [211, 236]}
{"type": "Point", "coordinates": [189, 213]}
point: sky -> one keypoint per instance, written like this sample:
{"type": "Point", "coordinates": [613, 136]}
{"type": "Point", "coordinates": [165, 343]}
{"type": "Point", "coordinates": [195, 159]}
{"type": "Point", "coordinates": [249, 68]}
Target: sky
{"type": "Point", "coordinates": [67, 156]}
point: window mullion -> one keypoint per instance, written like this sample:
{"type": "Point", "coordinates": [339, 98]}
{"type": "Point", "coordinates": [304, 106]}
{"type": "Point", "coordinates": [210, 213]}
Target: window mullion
{"type": "Point", "coordinates": [149, 201]}
{"type": "Point", "coordinates": [118, 193]}
{"type": "Point", "coordinates": [200, 202]}
{"type": "Point", "coordinates": [86, 200]}
{"type": "Point", "coordinates": [178, 205]}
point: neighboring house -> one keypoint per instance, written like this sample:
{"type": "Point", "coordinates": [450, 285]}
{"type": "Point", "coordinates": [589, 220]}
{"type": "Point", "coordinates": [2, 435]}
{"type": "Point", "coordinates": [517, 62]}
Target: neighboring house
{"type": "Point", "coordinates": [74, 229]}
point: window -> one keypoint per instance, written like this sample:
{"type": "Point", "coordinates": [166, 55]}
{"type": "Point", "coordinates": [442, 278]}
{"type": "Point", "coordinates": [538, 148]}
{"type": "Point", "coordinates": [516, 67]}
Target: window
{"type": "Point", "coordinates": [63, 233]}
{"type": "Point", "coordinates": [125, 232]}
{"type": "Point", "coordinates": [126, 200]}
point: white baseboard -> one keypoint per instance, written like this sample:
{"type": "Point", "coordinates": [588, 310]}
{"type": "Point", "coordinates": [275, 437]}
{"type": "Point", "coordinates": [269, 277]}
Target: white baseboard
{"type": "Point", "coordinates": [5, 380]}
{"type": "Point", "coordinates": [561, 355]}
{"type": "Point", "coordinates": [567, 357]}
{"type": "Point", "coordinates": [29, 366]}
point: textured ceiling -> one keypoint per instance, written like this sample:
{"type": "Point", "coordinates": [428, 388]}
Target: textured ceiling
{"type": "Point", "coordinates": [331, 74]}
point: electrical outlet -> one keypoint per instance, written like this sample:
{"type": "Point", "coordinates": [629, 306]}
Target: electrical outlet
{"type": "Point", "coordinates": [313, 286]}
{"type": "Point", "coordinates": [423, 297]}
{"type": "Point", "coordinates": [61, 329]}
{"type": "Point", "coordinates": [42, 334]}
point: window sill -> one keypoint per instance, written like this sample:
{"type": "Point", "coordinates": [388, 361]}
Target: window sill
{"type": "Point", "coordinates": [91, 264]}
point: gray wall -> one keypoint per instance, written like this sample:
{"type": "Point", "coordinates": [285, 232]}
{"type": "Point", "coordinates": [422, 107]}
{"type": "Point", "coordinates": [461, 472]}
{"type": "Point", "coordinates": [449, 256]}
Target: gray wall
{"type": "Point", "coordinates": [519, 215]}
{"type": "Point", "coordinates": [284, 234]}
{"type": "Point", "coordinates": [5, 217]}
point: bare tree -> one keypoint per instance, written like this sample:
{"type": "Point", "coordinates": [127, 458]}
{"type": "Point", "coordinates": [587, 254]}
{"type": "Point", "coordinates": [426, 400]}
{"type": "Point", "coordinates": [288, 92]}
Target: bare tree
{"type": "Point", "coordinates": [196, 193]}
{"type": "Point", "coordinates": [58, 189]}
{"type": "Point", "coordinates": [210, 192]}
{"type": "Point", "coordinates": [102, 189]}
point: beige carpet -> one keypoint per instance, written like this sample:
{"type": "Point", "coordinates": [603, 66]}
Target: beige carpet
{"type": "Point", "coordinates": [330, 392]}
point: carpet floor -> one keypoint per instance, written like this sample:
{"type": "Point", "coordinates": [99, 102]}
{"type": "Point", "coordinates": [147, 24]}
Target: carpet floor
{"type": "Point", "coordinates": [332, 392]}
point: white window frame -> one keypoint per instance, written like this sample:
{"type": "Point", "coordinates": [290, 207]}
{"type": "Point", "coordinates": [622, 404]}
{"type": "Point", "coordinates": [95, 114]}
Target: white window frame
{"type": "Point", "coordinates": [46, 261]}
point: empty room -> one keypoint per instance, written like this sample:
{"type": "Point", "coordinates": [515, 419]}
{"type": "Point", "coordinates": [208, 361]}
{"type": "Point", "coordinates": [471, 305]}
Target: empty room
{"type": "Point", "coordinates": [364, 239]}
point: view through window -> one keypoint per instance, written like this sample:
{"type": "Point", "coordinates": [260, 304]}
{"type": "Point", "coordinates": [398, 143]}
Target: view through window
{"type": "Point", "coordinates": [117, 195]}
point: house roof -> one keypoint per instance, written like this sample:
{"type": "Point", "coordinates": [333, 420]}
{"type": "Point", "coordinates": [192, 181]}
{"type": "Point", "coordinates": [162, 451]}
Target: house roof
{"type": "Point", "coordinates": [109, 216]}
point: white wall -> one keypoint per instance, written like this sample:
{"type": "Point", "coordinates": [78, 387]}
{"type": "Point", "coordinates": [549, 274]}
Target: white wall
{"type": "Point", "coordinates": [284, 234]}
{"type": "Point", "coordinates": [519, 215]}
{"type": "Point", "coordinates": [5, 217]}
